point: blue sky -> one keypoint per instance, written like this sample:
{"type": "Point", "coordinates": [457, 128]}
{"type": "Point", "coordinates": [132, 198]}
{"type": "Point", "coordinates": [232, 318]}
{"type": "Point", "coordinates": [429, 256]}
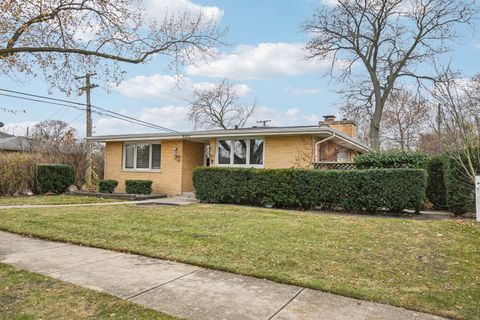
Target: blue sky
{"type": "Point", "coordinates": [264, 60]}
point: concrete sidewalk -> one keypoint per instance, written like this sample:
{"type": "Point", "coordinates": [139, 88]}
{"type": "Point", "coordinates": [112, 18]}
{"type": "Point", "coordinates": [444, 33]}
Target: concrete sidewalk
{"type": "Point", "coordinates": [173, 201]}
{"type": "Point", "coordinates": [184, 290]}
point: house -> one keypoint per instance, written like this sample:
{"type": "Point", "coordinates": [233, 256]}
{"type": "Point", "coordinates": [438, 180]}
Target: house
{"type": "Point", "coordinates": [10, 143]}
{"type": "Point", "coordinates": [168, 159]}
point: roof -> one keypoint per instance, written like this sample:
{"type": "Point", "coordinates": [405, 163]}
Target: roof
{"type": "Point", "coordinates": [322, 129]}
{"type": "Point", "coordinates": [13, 143]}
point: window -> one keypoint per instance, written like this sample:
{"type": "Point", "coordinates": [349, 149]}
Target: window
{"type": "Point", "coordinates": [142, 156]}
{"type": "Point", "coordinates": [156, 156]}
{"type": "Point", "coordinates": [241, 152]}
{"type": "Point", "coordinates": [224, 152]}
{"type": "Point", "coordinates": [129, 156]}
{"type": "Point", "coordinates": [256, 152]}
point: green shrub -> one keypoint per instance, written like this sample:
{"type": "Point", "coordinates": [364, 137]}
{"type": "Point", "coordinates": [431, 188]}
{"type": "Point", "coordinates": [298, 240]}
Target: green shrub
{"type": "Point", "coordinates": [353, 190]}
{"type": "Point", "coordinates": [436, 189]}
{"type": "Point", "coordinates": [391, 159]}
{"type": "Point", "coordinates": [17, 173]}
{"type": "Point", "coordinates": [54, 178]}
{"type": "Point", "coordinates": [459, 186]}
{"type": "Point", "coordinates": [138, 186]}
{"type": "Point", "coordinates": [107, 186]}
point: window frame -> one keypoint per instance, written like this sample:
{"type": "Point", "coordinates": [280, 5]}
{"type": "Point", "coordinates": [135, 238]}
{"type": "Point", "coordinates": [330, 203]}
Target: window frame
{"type": "Point", "coordinates": [136, 143]}
{"type": "Point", "coordinates": [232, 153]}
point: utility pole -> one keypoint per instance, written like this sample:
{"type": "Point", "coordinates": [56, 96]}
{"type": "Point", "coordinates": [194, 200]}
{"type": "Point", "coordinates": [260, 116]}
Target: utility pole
{"type": "Point", "coordinates": [88, 132]}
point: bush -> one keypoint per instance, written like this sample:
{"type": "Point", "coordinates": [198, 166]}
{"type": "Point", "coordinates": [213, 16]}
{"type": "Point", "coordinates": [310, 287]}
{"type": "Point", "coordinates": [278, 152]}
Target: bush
{"type": "Point", "coordinates": [459, 186]}
{"type": "Point", "coordinates": [436, 189]}
{"type": "Point", "coordinates": [107, 186]}
{"type": "Point", "coordinates": [54, 178]}
{"type": "Point", "coordinates": [138, 186]}
{"type": "Point", "coordinates": [353, 190]}
{"type": "Point", "coordinates": [17, 173]}
{"type": "Point", "coordinates": [391, 159]}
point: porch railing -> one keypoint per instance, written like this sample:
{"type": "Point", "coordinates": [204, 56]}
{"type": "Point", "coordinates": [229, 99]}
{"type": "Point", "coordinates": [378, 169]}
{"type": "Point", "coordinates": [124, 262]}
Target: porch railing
{"type": "Point", "coordinates": [325, 165]}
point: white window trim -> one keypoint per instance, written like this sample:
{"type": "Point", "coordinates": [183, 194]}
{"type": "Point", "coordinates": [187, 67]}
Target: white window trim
{"type": "Point", "coordinates": [231, 164]}
{"type": "Point", "coordinates": [134, 169]}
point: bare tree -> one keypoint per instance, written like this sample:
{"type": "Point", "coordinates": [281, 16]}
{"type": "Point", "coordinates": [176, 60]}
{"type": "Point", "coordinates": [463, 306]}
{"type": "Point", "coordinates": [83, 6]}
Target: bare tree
{"type": "Point", "coordinates": [405, 120]}
{"type": "Point", "coordinates": [67, 37]}
{"type": "Point", "coordinates": [390, 39]}
{"type": "Point", "coordinates": [51, 132]}
{"type": "Point", "coordinates": [459, 125]}
{"type": "Point", "coordinates": [457, 100]}
{"type": "Point", "coordinates": [56, 142]}
{"type": "Point", "coordinates": [219, 106]}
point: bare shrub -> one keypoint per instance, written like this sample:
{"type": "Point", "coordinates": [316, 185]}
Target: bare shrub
{"type": "Point", "coordinates": [17, 173]}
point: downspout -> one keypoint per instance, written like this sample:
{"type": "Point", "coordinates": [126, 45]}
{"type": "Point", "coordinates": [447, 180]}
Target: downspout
{"type": "Point", "coordinates": [319, 143]}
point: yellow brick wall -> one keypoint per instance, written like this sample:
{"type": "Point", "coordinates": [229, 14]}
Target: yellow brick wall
{"type": "Point", "coordinates": [192, 156]}
{"type": "Point", "coordinates": [167, 181]}
{"type": "Point", "coordinates": [213, 152]}
{"type": "Point", "coordinates": [346, 127]}
{"type": "Point", "coordinates": [296, 151]}
{"type": "Point", "coordinates": [289, 151]}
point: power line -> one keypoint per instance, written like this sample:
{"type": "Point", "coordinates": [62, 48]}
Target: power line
{"type": "Point", "coordinates": [36, 100]}
{"type": "Point", "coordinates": [140, 122]}
{"type": "Point", "coordinates": [63, 101]}
{"type": "Point", "coordinates": [83, 104]}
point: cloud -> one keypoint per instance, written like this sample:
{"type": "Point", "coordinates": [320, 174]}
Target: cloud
{"type": "Point", "coordinates": [157, 9]}
{"type": "Point", "coordinates": [176, 118]}
{"type": "Point", "coordinates": [330, 3]}
{"type": "Point", "coordinates": [172, 117]}
{"type": "Point", "coordinates": [302, 91]}
{"type": "Point", "coordinates": [264, 60]}
{"type": "Point", "coordinates": [171, 88]}
{"type": "Point", "coordinates": [278, 117]}
{"type": "Point", "coordinates": [18, 128]}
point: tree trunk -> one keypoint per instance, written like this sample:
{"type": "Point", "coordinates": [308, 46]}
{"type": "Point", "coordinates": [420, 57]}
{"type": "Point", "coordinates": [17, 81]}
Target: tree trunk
{"type": "Point", "coordinates": [374, 136]}
{"type": "Point", "coordinates": [375, 127]}
{"type": "Point", "coordinates": [377, 116]}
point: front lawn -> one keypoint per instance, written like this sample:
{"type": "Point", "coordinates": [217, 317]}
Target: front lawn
{"type": "Point", "coordinates": [27, 295]}
{"type": "Point", "coordinates": [430, 266]}
{"type": "Point", "coordinates": [51, 200]}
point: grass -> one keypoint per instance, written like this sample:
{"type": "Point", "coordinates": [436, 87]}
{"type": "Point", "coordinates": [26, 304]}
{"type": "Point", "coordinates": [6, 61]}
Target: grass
{"type": "Point", "coordinates": [26, 295]}
{"type": "Point", "coordinates": [430, 266]}
{"type": "Point", "coordinates": [51, 200]}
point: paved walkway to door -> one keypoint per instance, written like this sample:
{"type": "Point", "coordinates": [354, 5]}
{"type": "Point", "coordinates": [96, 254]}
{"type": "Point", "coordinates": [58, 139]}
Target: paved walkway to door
{"type": "Point", "coordinates": [184, 290]}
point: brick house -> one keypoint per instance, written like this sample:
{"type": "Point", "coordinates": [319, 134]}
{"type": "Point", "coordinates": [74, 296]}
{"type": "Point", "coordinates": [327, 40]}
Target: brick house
{"type": "Point", "coordinates": [168, 159]}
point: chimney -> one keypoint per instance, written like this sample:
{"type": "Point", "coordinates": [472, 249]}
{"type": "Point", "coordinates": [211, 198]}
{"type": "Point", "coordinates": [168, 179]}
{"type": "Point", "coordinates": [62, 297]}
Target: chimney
{"type": "Point", "coordinates": [328, 119]}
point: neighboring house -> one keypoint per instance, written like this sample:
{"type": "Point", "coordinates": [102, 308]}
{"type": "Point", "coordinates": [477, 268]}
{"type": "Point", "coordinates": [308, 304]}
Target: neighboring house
{"type": "Point", "coordinates": [11, 143]}
{"type": "Point", "coordinates": [168, 159]}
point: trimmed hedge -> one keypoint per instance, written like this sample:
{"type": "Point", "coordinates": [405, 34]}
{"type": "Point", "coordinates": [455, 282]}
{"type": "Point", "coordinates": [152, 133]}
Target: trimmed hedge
{"type": "Point", "coordinates": [107, 186]}
{"type": "Point", "coordinates": [436, 189]}
{"type": "Point", "coordinates": [138, 186]}
{"type": "Point", "coordinates": [352, 190]}
{"type": "Point", "coordinates": [391, 159]}
{"type": "Point", "coordinates": [54, 178]}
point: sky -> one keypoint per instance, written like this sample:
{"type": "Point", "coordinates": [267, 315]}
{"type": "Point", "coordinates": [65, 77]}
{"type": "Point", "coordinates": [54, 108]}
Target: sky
{"type": "Point", "coordinates": [265, 60]}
